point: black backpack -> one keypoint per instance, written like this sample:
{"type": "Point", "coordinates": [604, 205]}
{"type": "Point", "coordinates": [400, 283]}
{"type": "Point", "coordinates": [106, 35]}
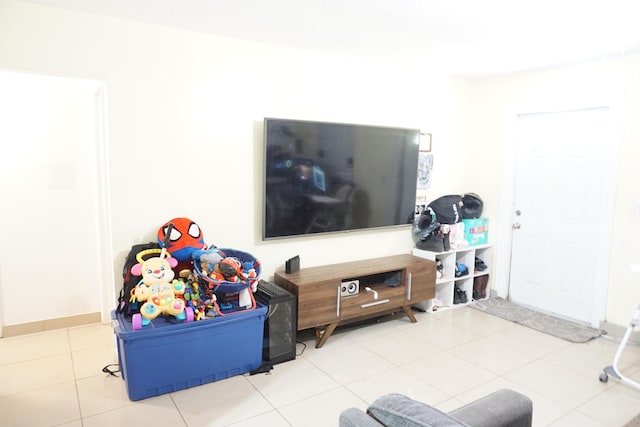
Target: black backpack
{"type": "Point", "coordinates": [125, 306]}
{"type": "Point", "coordinates": [427, 231]}
{"type": "Point", "coordinates": [443, 210]}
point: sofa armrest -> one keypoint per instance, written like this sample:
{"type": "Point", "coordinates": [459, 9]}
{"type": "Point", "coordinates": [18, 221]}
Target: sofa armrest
{"type": "Point", "coordinates": [502, 408]}
{"type": "Point", "coordinates": [354, 417]}
{"type": "Point", "coordinates": [398, 410]}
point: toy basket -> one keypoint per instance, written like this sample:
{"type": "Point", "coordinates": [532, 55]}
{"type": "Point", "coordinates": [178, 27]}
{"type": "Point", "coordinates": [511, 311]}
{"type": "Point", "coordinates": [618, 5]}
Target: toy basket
{"type": "Point", "coordinates": [226, 295]}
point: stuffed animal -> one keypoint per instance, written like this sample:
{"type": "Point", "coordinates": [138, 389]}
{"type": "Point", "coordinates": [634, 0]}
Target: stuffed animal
{"type": "Point", "coordinates": [184, 238]}
{"type": "Point", "coordinates": [158, 289]}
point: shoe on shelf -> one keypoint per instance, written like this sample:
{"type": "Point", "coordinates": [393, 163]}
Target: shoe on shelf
{"type": "Point", "coordinates": [460, 296]}
{"type": "Point", "coordinates": [480, 284]}
{"type": "Point", "coordinates": [439, 269]}
{"type": "Point", "coordinates": [480, 265]}
{"type": "Point", "coordinates": [461, 270]}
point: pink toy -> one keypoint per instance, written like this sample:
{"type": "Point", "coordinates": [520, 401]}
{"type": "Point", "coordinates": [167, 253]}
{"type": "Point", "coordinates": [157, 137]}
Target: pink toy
{"type": "Point", "coordinates": [158, 290]}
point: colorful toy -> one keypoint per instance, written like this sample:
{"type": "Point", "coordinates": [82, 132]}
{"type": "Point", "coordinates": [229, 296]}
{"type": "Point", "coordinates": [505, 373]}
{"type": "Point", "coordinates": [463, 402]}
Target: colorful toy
{"type": "Point", "coordinates": [228, 285]}
{"type": "Point", "coordinates": [192, 294]}
{"type": "Point", "coordinates": [127, 303]}
{"type": "Point", "coordinates": [211, 255]}
{"type": "Point", "coordinates": [158, 290]}
{"type": "Point", "coordinates": [231, 270]}
{"type": "Point", "coordinates": [182, 236]}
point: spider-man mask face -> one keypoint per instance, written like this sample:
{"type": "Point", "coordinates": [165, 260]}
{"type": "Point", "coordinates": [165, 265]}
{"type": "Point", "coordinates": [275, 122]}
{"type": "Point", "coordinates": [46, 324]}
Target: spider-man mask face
{"type": "Point", "coordinates": [185, 237]}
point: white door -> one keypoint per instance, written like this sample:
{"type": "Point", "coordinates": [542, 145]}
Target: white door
{"type": "Point", "coordinates": [559, 192]}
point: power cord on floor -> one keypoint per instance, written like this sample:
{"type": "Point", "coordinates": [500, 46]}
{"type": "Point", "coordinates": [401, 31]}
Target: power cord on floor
{"type": "Point", "coordinates": [113, 372]}
{"type": "Point", "coordinates": [304, 347]}
{"type": "Point", "coordinates": [265, 368]}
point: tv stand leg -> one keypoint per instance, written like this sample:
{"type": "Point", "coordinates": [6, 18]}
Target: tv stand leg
{"type": "Point", "coordinates": [412, 317]}
{"type": "Point", "coordinates": [323, 335]}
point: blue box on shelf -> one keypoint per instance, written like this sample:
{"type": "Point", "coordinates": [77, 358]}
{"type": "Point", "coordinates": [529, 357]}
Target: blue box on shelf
{"type": "Point", "coordinates": [168, 355]}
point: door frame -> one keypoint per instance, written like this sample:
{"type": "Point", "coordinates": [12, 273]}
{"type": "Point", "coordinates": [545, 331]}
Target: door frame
{"type": "Point", "coordinates": [105, 231]}
{"type": "Point", "coordinates": [603, 227]}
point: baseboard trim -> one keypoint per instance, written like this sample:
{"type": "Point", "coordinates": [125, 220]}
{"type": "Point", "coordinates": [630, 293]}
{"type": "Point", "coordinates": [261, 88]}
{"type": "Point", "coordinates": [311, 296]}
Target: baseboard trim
{"type": "Point", "coordinates": [49, 324]}
{"type": "Point", "coordinates": [615, 331]}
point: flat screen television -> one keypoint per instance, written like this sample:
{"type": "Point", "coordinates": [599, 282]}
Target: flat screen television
{"type": "Point", "coordinates": [334, 177]}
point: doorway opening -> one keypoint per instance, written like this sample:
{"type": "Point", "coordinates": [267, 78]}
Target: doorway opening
{"type": "Point", "coordinates": [55, 161]}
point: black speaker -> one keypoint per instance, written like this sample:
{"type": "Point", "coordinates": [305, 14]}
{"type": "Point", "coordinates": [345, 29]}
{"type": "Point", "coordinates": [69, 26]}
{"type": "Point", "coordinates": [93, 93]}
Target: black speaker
{"type": "Point", "coordinates": [292, 264]}
{"type": "Point", "coordinates": [280, 325]}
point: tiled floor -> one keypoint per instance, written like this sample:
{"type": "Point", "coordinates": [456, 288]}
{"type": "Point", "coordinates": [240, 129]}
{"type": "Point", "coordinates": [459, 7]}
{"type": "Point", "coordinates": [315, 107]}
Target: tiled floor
{"type": "Point", "coordinates": [446, 359]}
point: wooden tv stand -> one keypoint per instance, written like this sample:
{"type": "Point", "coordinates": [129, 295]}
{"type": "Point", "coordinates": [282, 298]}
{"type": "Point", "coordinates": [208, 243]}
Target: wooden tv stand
{"type": "Point", "coordinates": [322, 303]}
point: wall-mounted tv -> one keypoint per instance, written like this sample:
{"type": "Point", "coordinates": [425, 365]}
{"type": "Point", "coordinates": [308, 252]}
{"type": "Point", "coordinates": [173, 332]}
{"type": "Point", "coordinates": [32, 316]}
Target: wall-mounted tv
{"type": "Point", "coordinates": [333, 177]}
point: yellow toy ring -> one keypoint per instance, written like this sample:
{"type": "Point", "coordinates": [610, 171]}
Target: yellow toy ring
{"type": "Point", "coordinates": [141, 254]}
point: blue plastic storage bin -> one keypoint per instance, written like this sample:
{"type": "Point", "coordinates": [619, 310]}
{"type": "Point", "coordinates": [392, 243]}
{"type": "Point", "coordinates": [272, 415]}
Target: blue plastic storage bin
{"type": "Point", "coordinates": [168, 355]}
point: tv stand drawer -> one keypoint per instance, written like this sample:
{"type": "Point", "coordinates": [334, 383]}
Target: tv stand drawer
{"type": "Point", "coordinates": [369, 306]}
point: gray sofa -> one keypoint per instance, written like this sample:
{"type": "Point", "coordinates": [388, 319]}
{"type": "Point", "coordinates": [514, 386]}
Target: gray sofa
{"type": "Point", "coordinates": [502, 408]}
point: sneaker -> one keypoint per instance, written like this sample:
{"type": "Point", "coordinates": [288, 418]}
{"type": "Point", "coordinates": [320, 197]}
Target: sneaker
{"type": "Point", "coordinates": [461, 270]}
{"type": "Point", "coordinates": [463, 297]}
{"type": "Point", "coordinates": [460, 296]}
{"type": "Point", "coordinates": [480, 265]}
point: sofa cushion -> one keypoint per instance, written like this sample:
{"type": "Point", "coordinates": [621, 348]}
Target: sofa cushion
{"type": "Point", "coordinates": [504, 408]}
{"type": "Point", "coordinates": [354, 417]}
{"type": "Point", "coordinates": [401, 411]}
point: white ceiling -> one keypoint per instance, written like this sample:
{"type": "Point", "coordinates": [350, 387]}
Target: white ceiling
{"type": "Point", "coordinates": [462, 37]}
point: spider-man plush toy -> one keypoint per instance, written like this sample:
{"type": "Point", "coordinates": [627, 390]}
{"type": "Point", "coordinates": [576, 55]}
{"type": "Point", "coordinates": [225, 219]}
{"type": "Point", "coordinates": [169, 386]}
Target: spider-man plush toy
{"type": "Point", "coordinates": [185, 238]}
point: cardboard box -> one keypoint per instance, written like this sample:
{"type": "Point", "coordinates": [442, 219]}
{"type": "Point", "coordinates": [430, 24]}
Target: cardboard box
{"type": "Point", "coordinates": [168, 355]}
{"type": "Point", "coordinates": [476, 231]}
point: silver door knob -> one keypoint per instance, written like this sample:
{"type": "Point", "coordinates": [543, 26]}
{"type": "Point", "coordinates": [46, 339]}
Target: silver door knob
{"type": "Point", "coordinates": [516, 226]}
{"type": "Point", "coordinates": [518, 212]}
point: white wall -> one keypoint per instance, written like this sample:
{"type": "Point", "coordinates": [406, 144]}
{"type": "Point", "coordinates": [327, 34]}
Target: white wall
{"type": "Point", "coordinates": [185, 115]}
